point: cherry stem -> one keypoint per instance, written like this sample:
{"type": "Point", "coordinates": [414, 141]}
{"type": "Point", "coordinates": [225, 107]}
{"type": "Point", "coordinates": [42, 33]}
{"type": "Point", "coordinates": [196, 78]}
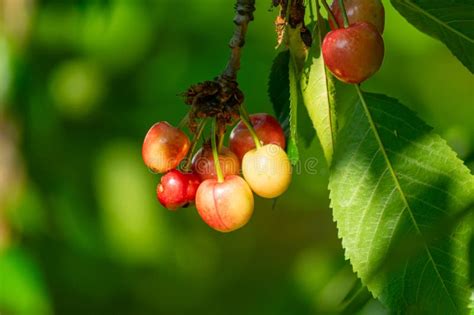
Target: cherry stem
{"type": "Point", "coordinates": [244, 116]}
{"type": "Point", "coordinates": [197, 136]}
{"type": "Point", "coordinates": [344, 13]}
{"type": "Point", "coordinates": [329, 11]}
{"type": "Point", "coordinates": [220, 143]}
{"type": "Point", "coordinates": [215, 155]}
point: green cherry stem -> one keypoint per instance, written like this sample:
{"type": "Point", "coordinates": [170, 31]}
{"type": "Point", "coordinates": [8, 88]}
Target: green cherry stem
{"type": "Point", "coordinates": [344, 13]}
{"type": "Point", "coordinates": [197, 136]}
{"type": "Point", "coordinates": [329, 11]}
{"type": "Point", "coordinates": [244, 116]}
{"type": "Point", "coordinates": [220, 143]}
{"type": "Point", "coordinates": [215, 155]}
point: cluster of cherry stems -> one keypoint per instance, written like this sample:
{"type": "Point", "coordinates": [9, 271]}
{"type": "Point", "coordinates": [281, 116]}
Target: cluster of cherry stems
{"type": "Point", "coordinates": [353, 52]}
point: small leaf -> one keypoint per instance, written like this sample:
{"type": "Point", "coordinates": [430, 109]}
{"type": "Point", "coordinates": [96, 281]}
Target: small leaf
{"type": "Point", "coordinates": [279, 93]}
{"type": "Point", "coordinates": [279, 89]}
{"type": "Point", "coordinates": [452, 22]}
{"type": "Point", "coordinates": [319, 89]}
{"type": "Point", "coordinates": [298, 55]}
{"type": "Point", "coordinates": [293, 153]}
{"type": "Point", "coordinates": [298, 49]}
{"type": "Point", "coordinates": [392, 178]}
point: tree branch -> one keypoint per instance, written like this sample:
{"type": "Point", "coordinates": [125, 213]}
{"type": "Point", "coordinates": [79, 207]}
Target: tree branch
{"type": "Point", "coordinates": [243, 16]}
{"type": "Point", "coordinates": [221, 98]}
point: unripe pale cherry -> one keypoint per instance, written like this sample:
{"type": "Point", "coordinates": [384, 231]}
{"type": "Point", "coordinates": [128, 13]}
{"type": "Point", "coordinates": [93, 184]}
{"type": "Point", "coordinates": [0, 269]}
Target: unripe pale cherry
{"type": "Point", "coordinates": [355, 53]}
{"type": "Point", "coordinates": [225, 206]}
{"type": "Point", "coordinates": [164, 147]}
{"type": "Point", "coordinates": [203, 163]}
{"type": "Point", "coordinates": [267, 170]}
{"type": "Point", "coordinates": [370, 11]}
{"type": "Point", "coordinates": [267, 129]}
{"type": "Point", "coordinates": [177, 189]}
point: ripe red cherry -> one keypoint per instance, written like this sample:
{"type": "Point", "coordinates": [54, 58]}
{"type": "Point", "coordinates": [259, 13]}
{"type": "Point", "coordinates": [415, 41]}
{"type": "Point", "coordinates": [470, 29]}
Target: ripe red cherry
{"type": "Point", "coordinates": [225, 206]}
{"type": "Point", "coordinates": [203, 163]}
{"type": "Point", "coordinates": [164, 147]}
{"type": "Point", "coordinates": [355, 53]}
{"type": "Point", "coordinates": [267, 129]}
{"type": "Point", "coordinates": [370, 11]}
{"type": "Point", "coordinates": [177, 189]}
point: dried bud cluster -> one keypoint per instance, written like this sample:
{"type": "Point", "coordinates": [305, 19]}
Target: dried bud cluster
{"type": "Point", "coordinates": [220, 98]}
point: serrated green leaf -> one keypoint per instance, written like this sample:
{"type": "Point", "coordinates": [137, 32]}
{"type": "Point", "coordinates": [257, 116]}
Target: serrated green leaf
{"type": "Point", "coordinates": [305, 126]}
{"type": "Point", "coordinates": [452, 22]}
{"type": "Point", "coordinates": [293, 153]}
{"type": "Point", "coordinates": [279, 89]}
{"type": "Point", "coordinates": [298, 55]}
{"type": "Point", "coordinates": [295, 64]}
{"type": "Point", "coordinates": [392, 178]}
{"type": "Point", "coordinates": [279, 93]}
{"type": "Point", "coordinates": [298, 49]}
{"type": "Point", "coordinates": [319, 89]}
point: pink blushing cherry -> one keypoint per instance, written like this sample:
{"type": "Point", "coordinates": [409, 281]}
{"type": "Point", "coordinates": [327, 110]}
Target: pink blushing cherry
{"type": "Point", "coordinates": [225, 206]}
{"type": "Point", "coordinates": [203, 163]}
{"type": "Point", "coordinates": [177, 189]}
{"type": "Point", "coordinates": [164, 147]}
{"type": "Point", "coordinates": [267, 129]}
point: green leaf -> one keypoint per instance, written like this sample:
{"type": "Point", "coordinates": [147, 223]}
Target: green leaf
{"type": "Point", "coordinates": [319, 91]}
{"type": "Point", "coordinates": [293, 153]}
{"type": "Point", "coordinates": [298, 49]}
{"type": "Point", "coordinates": [279, 93]}
{"type": "Point", "coordinates": [452, 22]}
{"type": "Point", "coordinates": [279, 89]}
{"type": "Point", "coordinates": [392, 178]}
{"type": "Point", "coordinates": [298, 55]}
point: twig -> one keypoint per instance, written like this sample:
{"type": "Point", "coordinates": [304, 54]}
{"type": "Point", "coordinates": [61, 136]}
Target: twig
{"type": "Point", "coordinates": [221, 97]}
{"type": "Point", "coordinates": [243, 16]}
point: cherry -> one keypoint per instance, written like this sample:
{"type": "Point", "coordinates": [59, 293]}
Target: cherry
{"type": "Point", "coordinates": [267, 129]}
{"type": "Point", "coordinates": [225, 206]}
{"type": "Point", "coordinates": [164, 147]}
{"type": "Point", "coordinates": [267, 170]}
{"type": "Point", "coordinates": [355, 53]}
{"type": "Point", "coordinates": [203, 163]}
{"type": "Point", "coordinates": [177, 189]}
{"type": "Point", "coordinates": [370, 11]}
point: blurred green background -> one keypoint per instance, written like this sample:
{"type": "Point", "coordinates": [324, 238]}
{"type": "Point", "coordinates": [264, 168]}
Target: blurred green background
{"type": "Point", "coordinates": [81, 231]}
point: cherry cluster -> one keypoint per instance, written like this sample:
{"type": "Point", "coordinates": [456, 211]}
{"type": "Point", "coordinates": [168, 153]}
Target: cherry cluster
{"type": "Point", "coordinates": [212, 180]}
{"type": "Point", "coordinates": [353, 51]}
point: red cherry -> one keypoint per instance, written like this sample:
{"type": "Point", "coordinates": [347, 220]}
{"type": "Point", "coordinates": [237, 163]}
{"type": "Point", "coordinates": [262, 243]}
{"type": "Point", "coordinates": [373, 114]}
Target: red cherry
{"type": "Point", "coordinates": [355, 53]}
{"type": "Point", "coordinates": [177, 189]}
{"type": "Point", "coordinates": [267, 129]}
{"type": "Point", "coordinates": [164, 147]}
{"type": "Point", "coordinates": [225, 206]}
{"type": "Point", "coordinates": [370, 11]}
{"type": "Point", "coordinates": [203, 163]}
